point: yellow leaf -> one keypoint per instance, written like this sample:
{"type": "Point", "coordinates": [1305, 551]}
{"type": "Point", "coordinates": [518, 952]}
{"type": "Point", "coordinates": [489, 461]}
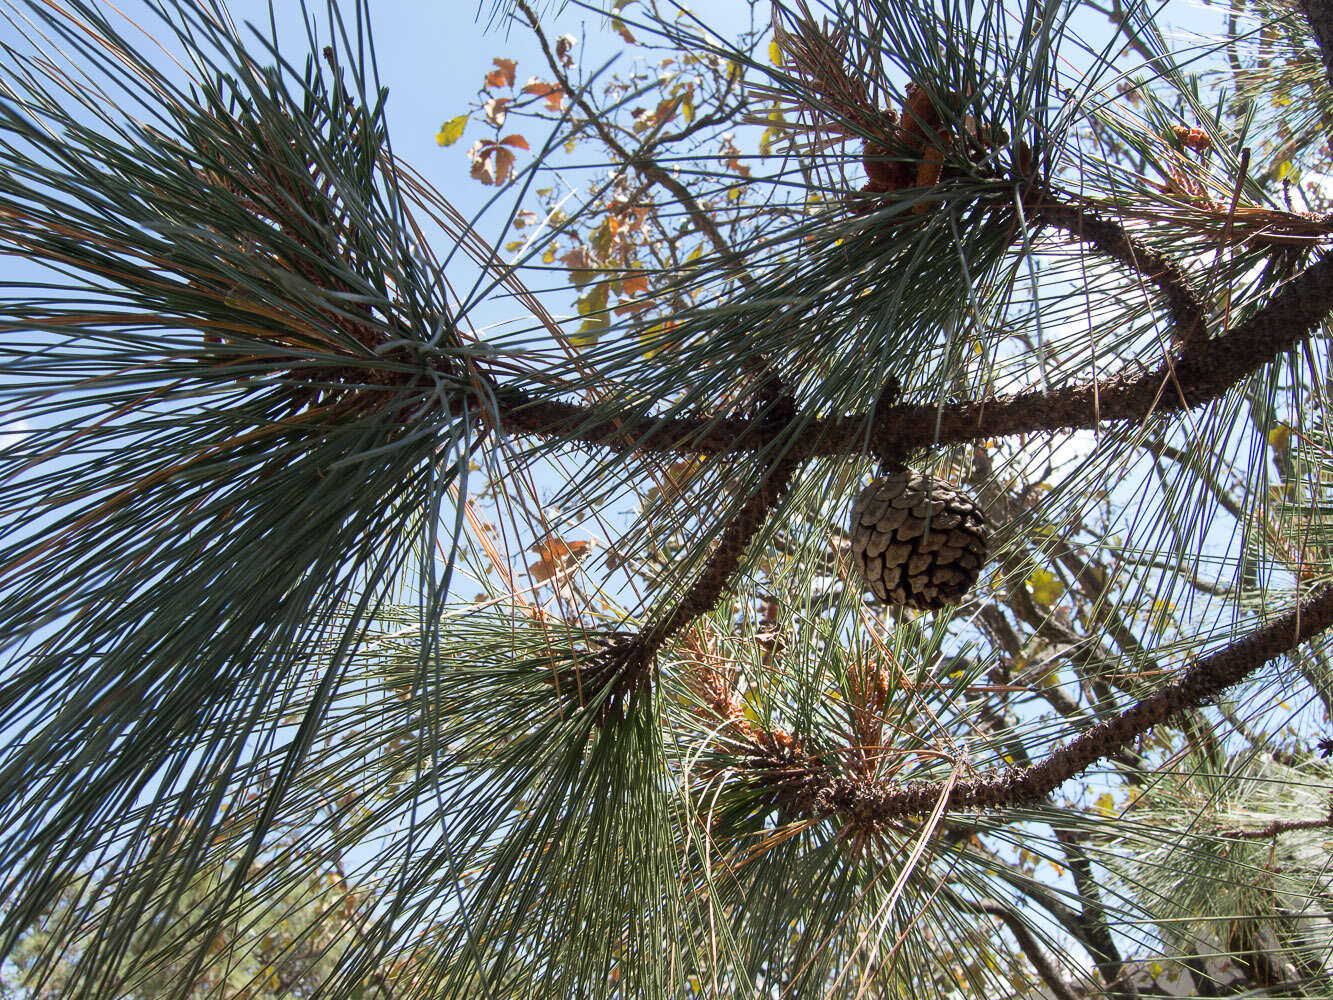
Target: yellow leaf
{"type": "Point", "coordinates": [593, 301]}
{"type": "Point", "coordinates": [578, 261]}
{"type": "Point", "coordinates": [653, 338]}
{"type": "Point", "coordinates": [590, 330]}
{"type": "Point", "coordinates": [451, 131]}
{"type": "Point", "coordinates": [1044, 587]}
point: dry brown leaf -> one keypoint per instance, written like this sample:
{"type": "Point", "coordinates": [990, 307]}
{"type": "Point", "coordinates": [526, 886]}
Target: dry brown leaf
{"type": "Point", "coordinates": [504, 75]}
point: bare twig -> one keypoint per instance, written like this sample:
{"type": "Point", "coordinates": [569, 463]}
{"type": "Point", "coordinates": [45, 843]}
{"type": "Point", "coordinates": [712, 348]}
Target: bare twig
{"type": "Point", "coordinates": [1105, 953]}
{"type": "Point", "coordinates": [649, 168]}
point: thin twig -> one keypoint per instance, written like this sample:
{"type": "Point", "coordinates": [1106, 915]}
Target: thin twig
{"type": "Point", "coordinates": [640, 161]}
{"type": "Point", "coordinates": [1279, 826]}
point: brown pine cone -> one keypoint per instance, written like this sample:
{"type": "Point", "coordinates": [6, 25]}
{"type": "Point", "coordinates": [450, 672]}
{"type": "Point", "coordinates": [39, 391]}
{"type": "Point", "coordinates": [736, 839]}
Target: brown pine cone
{"type": "Point", "coordinates": [918, 542]}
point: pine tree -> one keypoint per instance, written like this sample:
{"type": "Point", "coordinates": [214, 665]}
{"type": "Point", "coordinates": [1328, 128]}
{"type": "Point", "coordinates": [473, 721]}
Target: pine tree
{"type": "Point", "coordinates": [271, 653]}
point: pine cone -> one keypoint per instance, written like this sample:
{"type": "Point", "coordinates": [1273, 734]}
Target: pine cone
{"type": "Point", "coordinates": [918, 541]}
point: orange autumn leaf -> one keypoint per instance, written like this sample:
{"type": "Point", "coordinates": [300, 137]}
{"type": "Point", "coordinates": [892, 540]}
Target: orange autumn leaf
{"type": "Point", "coordinates": [632, 290]}
{"type": "Point", "coordinates": [504, 76]}
{"type": "Point", "coordinates": [557, 555]}
{"type": "Point", "coordinates": [635, 285]}
{"type": "Point", "coordinates": [549, 92]}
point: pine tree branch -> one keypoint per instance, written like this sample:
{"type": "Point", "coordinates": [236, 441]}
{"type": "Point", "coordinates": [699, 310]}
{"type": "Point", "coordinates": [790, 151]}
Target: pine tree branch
{"type": "Point", "coordinates": [1279, 826]}
{"type": "Point", "coordinates": [1202, 372]}
{"type": "Point", "coordinates": [1082, 221]}
{"type": "Point", "coordinates": [626, 666]}
{"type": "Point", "coordinates": [803, 781]}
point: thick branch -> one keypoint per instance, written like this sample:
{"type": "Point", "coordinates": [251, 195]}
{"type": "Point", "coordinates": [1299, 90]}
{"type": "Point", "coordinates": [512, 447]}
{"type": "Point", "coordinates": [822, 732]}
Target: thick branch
{"type": "Point", "coordinates": [1203, 372]}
